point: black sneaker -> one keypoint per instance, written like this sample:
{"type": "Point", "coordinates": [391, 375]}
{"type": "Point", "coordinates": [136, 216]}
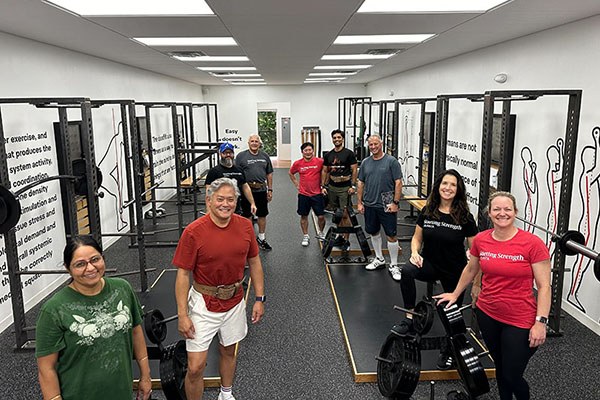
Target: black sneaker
{"type": "Point", "coordinates": [444, 361]}
{"type": "Point", "coordinates": [263, 244]}
{"type": "Point", "coordinates": [405, 327]}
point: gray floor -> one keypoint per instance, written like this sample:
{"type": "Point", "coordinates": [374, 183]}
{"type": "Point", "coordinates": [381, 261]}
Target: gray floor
{"type": "Point", "coordinates": [298, 351]}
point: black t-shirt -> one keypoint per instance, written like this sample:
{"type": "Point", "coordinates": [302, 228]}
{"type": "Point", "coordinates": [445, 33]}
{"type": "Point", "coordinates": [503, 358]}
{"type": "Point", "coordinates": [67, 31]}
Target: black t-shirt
{"type": "Point", "coordinates": [339, 164]}
{"type": "Point", "coordinates": [444, 242]}
{"type": "Point", "coordinates": [220, 171]}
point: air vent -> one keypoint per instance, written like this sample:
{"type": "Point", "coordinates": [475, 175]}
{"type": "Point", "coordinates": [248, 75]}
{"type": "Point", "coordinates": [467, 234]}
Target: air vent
{"type": "Point", "coordinates": [221, 73]}
{"type": "Point", "coordinates": [187, 54]}
{"type": "Point", "coordinates": [382, 52]}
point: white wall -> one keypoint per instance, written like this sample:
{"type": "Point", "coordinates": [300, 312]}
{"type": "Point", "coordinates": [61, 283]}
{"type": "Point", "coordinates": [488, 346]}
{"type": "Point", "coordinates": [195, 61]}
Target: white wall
{"type": "Point", "coordinates": [33, 69]}
{"type": "Point", "coordinates": [309, 105]}
{"type": "Point", "coordinates": [562, 58]}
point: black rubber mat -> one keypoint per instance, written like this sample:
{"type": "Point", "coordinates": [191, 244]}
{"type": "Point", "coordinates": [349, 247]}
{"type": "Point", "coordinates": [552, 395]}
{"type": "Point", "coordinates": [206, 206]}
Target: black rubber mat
{"type": "Point", "coordinates": [366, 302]}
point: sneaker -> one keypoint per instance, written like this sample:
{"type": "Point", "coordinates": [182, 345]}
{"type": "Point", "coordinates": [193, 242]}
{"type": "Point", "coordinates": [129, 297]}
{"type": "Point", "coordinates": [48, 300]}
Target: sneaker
{"type": "Point", "coordinates": [225, 396]}
{"type": "Point", "coordinates": [305, 241]}
{"type": "Point", "coordinates": [321, 237]}
{"type": "Point", "coordinates": [395, 271]}
{"type": "Point", "coordinates": [444, 361]}
{"type": "Point", "coordinates": [404, 327]}
{"type": "Point", "coordinates": [263, 244]}
{"type": "Point", "coordinates": [375, 264]}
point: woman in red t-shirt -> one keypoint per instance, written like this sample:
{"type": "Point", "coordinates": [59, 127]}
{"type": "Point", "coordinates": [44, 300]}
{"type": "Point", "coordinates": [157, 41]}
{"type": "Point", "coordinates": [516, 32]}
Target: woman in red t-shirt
{"type": "Point", "coordinates": [512, 322]}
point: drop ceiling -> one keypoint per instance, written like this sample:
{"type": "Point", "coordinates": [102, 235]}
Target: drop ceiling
{"type": "Point", "coordinates": [285, 39]}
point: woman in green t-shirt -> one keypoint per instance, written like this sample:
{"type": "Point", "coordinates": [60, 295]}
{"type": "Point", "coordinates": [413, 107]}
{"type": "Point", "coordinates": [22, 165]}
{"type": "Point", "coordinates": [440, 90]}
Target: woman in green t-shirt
{"type": "Point", "coordinates": [89, 331]}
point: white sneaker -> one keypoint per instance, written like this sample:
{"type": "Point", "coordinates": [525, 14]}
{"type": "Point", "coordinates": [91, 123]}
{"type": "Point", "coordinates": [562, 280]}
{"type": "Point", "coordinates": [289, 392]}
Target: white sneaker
{"type": "Point", "coordinates": [395, 271]}
{"type": "Point", "coordinates": [321, 237]}
{"type": "Point", "coordinates": [223, 396]}
{"type": "Point", "coordinates": [305, 241]}
{"type": "Point", "coordinates": [375, 263]}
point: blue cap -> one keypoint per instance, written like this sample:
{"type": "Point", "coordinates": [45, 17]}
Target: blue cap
{"type": "Point", "coordinates": [225, 146]}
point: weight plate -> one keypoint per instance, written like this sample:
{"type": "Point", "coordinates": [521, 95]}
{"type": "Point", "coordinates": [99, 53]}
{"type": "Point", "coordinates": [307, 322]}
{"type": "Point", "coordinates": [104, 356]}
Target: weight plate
{"type": "Point", "coordinates": [399, 367]}
{"type": "Point", "coordinates": [156, 329]}
{"type": "Point", "coordinates": [574, 236]}
{"type": "Point", "coordinates": [597, 268]}
{"type": "Point", "coordinates": [10, 210]}
{"type": "Point", "coordinates": [337, 216]}
{"type": "Point", "coordinates": [363, 242]}
{"type": "Point", "coordinates": [452, 319]}
{"type": "Point", "coordinates": [173, 367]}
{"type": "Point", "coordinates": [328, 243]}
{"type": "Point", "coordinates": [423, 323]}
{"type": "Point", "coordinates": [469, 367]}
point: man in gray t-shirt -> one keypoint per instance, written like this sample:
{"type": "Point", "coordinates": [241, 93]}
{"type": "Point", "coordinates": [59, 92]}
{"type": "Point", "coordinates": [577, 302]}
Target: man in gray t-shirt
{"type": "Point", "coordinates": [258, 171]}
{"type": "Point", "coordinates": [379, 191]}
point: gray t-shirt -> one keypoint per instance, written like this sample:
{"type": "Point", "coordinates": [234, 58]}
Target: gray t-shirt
{"type": "Point", "coordinates": [255, 168]}
{"type": "Point", "coordinates": [379, 179]}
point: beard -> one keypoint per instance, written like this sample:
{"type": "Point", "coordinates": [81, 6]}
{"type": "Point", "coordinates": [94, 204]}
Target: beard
{"type": "Point", "coordinates": [226, 162]}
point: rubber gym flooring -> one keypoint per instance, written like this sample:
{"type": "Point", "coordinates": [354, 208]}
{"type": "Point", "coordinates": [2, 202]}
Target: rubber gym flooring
{"type": "Point", "coordinates": [299, 350]}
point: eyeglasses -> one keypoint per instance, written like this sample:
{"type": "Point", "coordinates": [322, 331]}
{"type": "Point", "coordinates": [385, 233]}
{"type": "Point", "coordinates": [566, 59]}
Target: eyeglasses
{"type": "Point", "coordinates": [83, 263]}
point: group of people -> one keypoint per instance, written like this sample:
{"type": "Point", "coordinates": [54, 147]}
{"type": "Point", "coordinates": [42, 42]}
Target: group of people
{"type": "Point", "coordinates": [89, 331]}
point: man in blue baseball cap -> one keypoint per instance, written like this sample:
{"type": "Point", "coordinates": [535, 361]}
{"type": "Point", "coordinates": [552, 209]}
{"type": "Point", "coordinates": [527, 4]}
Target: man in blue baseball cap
{"type": "Point", "coordinates": [227, 169]}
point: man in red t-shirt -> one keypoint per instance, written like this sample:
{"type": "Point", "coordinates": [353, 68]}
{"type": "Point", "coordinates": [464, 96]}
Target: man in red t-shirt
{"type": "Point", "coordinates": [214, 249]}
{"type": "Point", "coordinates": [309, 170]}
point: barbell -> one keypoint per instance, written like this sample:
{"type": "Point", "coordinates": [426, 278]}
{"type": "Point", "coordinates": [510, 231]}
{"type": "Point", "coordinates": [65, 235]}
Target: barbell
{"type": "Point", "coordinates": [422, 316]}
{"type": "Point", "coordinates": [155, 326]}
{"type": "Point", "coordinates": [571, 243]}
{"type": "Point", "coordinates": [10, 207]}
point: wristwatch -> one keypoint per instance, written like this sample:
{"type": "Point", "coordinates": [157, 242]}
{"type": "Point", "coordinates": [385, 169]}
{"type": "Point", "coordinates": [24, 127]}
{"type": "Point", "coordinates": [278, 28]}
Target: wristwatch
{"type": "Point", "coordinates": [543, 320]}
{"type": "Point", "coordinates": [396, 202]}
{"type": "Point", "coordinates": [261, 298]}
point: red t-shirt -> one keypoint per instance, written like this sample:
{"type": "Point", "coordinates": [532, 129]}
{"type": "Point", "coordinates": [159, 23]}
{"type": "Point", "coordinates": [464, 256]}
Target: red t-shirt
{"type": "Point", "coordinates": [217, 255]}
{"type": "Point", "coordinates": [310, 175]}
{"type": "Point", "coordinates": [507, 285]}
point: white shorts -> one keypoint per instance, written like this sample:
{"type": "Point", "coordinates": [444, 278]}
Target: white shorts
{"type": "Point", "coordinates": [231, 325]}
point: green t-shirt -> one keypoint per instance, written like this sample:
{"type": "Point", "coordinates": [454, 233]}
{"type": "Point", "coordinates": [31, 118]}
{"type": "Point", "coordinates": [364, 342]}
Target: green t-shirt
{"type": "Point", "coordinates": [93, 338]}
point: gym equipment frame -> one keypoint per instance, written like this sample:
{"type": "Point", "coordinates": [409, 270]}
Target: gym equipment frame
{"type": "Point", "coordinates": [347, 109]}
{"type": "Point", "coordinates": [504, 173]}
{"type": "Point", "coordinates": [65, 167]}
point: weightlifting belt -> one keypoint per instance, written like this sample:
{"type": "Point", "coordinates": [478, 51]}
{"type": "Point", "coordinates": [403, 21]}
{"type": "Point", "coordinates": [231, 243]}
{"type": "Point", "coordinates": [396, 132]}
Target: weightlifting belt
{"type": "Point", "coordinates": [221, 292]}
{"type": "Point", "coordinates": [257, 185]}
{"type": "Point", "coordinates": [338, 179]}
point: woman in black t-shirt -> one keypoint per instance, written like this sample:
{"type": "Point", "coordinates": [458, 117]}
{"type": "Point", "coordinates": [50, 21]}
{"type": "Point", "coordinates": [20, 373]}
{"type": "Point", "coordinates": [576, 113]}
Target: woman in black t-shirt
{"type": "Point", "coordinates": [438, 244]}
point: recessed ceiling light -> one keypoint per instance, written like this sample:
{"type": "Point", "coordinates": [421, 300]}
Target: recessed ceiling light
{"type": "Point", "coordinates": [233, 75]}
{"type": "Point", "coordinates": [343, 67]}
{"type": "Point", "coordinates": [213, 58]}
{"type": "Point", "coordinates": [244, 80]}
{"type": "Point", "coordinates": [356, 56]}
{"type": "Point", "coordinates": [186, 41]}
{"type": "Point", "coordinates": [371, 39]}
{"type": "Point", "coordinates": [337, 73]}
{"type": "Point", "coordinates": [133, 7]}
{"type": "Point", "coordinates": [325, 79]}
{"type": "Point", "coordinates": [247, 83]}
{"type": "Point", "coordinates": [227, 68]}
{"type": "Point", "coordinates": [429, 6]}
{"type": "Point", "coordinates": [322, 81]}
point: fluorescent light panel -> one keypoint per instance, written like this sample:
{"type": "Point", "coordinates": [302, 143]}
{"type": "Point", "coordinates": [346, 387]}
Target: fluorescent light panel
{"type": "Point", "coordinates": [343, 67]}
{"type": "Point", "coordinates": [235, 75]}
{"type": "Point", "coordinates": [324, 79]}
{"type": "Point", "coordinates": [332, 73]}
{"type": "Point", "coordinates": [186, 41]}
{"type": "Point", "coordinates": [247, 83]}
{"type": "Point", "coordinates": [227, 68]}
{"type": "Point", "coordinates": [356, 56]}
{"type": "Point", "coordinates": [213, 58]}
{"type": "Point", "coordinates": [380, 39]}
{"type": "Point", "coordinates": [428, 6]}
{"type": "Point", "coordinates": [134, 7]}
{"type": "Point", "coordinates": [244, 80]}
